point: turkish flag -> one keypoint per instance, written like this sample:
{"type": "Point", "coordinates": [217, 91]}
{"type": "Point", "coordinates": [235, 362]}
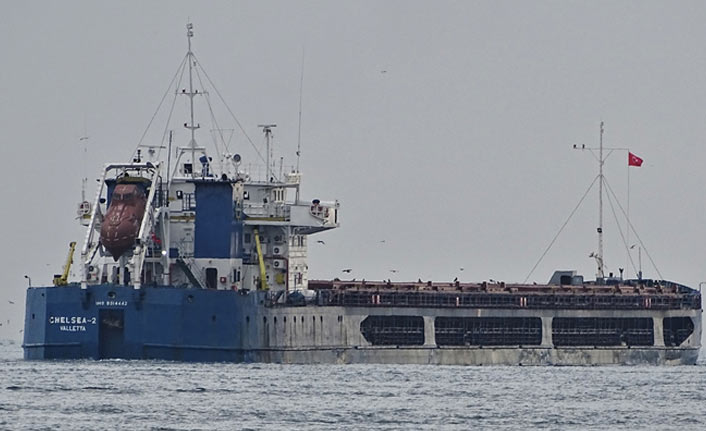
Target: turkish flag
{"type": "Point", "coordinates": [633, 160]}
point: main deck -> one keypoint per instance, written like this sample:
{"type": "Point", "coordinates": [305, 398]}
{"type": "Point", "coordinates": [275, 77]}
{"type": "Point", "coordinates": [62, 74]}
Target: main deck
{"type": "Point", "coordinates": [626, 295]}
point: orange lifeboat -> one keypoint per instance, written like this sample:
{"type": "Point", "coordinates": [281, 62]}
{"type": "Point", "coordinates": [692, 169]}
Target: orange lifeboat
{"type": "Point", "coordinates": [122, 220]}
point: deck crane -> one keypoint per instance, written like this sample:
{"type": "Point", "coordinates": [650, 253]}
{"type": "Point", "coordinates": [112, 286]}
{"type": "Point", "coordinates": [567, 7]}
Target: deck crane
{"type": "Point", "coordinates": [62, 279]}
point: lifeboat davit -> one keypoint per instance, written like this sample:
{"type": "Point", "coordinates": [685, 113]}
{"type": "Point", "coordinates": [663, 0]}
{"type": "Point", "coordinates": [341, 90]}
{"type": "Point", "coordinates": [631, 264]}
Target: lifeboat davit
{"type": "Point", "coordinates": [122, 220]}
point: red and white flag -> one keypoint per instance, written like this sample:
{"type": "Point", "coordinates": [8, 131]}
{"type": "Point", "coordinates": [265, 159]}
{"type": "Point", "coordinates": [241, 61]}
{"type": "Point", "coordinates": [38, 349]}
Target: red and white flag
{"type": "Point", "coordinates": [633, 160]}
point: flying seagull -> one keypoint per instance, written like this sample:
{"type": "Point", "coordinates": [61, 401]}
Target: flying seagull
{"type": "Point", "coordinates": [348, 270]}
{"type": "Point", "coordinates": [320, 242]}
{"type": "Point", "coordinates": [10, 302]}
{"type": "Point", "coordinates": [393, 270]}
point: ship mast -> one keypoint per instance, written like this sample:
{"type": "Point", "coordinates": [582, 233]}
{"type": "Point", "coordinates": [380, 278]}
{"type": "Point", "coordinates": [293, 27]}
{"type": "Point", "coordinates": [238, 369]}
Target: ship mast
{"type": "Point", "coordinates": [191, 126]}
{"type": "Point", "coordinates": [267, 130]}
{"type": "Point", "coordinates": [599, 257]}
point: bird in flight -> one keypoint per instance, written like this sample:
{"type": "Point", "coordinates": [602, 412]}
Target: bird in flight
{"type": "Point", "coordinates": [393, 271]}
{"type": "Point", "coordinates": [321, 242]}
{"type": "Point", "coordinates": [348, 270]}
{"type": "Point", "coordinates": [10, 302]}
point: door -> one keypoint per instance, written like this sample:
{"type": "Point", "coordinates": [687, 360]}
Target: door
{"type": "Point", "coordinates": [211, 278]}
{"type": "Point", "coordinates": [112, 334]}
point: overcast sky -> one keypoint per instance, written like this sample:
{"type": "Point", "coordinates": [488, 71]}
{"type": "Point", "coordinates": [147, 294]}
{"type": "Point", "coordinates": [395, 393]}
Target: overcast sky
{"type": "Point", "coordinates": [444, 128]}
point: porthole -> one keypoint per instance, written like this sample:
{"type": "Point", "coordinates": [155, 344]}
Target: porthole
{"type": "Point", "coordinates": [111, 295]}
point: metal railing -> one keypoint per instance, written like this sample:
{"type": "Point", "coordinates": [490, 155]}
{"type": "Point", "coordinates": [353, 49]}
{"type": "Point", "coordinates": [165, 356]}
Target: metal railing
{"type": "Point", "coordinates": [381, 298]}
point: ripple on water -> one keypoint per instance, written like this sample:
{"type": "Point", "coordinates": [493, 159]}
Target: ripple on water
{"type": "Point", "coordinates": [162, 395]}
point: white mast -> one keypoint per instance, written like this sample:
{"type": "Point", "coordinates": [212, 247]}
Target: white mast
{"type": "Point", "coordinates": [599, 258]}
{"type": "Point", "coordinates": [267, 129]}
{"type": "Point", "coordinates": [191, 94]}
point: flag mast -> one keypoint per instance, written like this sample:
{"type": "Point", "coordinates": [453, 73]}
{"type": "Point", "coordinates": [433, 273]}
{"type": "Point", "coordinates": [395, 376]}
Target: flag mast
{"type": "Point", "coordinates": [599, 257]}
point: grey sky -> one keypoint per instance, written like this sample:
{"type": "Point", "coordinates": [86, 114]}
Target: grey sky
{"type": "Point", "coordinates": [458, 156]}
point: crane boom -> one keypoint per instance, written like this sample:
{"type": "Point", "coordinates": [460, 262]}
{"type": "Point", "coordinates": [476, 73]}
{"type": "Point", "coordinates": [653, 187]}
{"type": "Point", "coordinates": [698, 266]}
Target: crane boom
{"type": "Point", "coordinates": [63, 278]}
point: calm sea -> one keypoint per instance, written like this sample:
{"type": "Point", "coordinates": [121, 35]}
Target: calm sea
{"type": "Point", "coordinates": [89, 395]}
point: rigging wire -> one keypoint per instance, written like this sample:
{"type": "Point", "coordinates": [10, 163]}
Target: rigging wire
{"type": "Point", "coordinates": [171, 111]}
{"type": "Point", "coordinates": [299, 132]}
{"type": "Point", "coordinates": [561, 229]}
{"type": "Point", "coordinates": [632, 228]}
{"type": "Point", "coordinates": [240, 126]}
{"type": "Point", "coordinates": [620, 230]}
{"type": "Point", "coordinates": [213, 119]}
{"type": "Point", "coordinates": [181, 65]}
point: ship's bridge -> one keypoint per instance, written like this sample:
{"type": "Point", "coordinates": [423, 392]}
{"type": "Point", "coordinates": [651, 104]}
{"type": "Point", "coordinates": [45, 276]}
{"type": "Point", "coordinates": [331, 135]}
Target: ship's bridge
{"type": "Point", "coordinates": [266, 204]}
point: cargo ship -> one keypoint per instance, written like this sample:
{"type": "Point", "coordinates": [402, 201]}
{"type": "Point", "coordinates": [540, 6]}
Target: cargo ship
{"type": "Point", "coordinates": [195, 260]}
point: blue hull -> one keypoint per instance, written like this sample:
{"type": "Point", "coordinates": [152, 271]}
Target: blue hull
{"type": "Point", "coordinates": [187, 324]}
{"type": "Point", "coordinates": [121, 322]}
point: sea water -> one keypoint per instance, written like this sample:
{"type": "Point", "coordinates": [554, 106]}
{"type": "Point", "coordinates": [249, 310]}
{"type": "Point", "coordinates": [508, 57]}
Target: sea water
{"type": "Point", "coordinates": [159, 395]}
